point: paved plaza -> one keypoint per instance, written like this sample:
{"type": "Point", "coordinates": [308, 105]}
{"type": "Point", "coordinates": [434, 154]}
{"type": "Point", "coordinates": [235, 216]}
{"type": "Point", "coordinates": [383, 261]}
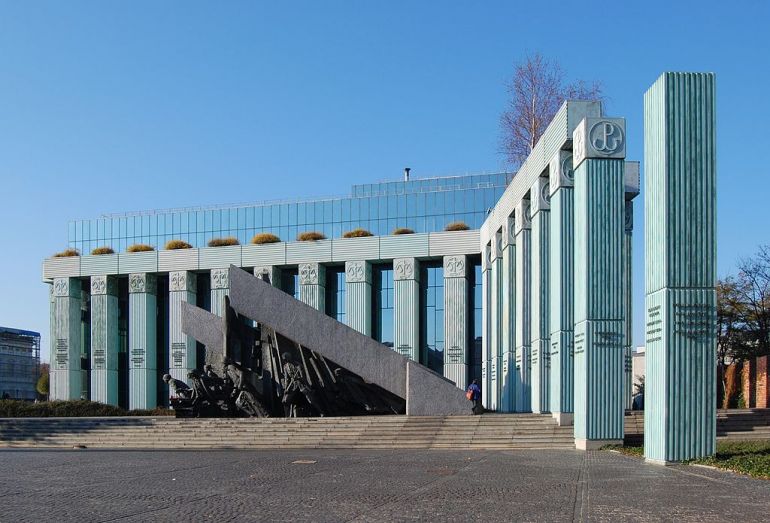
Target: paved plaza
{"type": "Point", "coordinates": [346, 485]}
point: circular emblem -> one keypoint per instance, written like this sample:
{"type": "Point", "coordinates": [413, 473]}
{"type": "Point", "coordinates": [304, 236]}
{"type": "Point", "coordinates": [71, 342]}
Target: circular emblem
{"type": "Point", "coordinates": [546, 192]}
{"type": "Point", "coordinates": [606, 137]}
{"type": "Point", "coordinates": [566, 169]}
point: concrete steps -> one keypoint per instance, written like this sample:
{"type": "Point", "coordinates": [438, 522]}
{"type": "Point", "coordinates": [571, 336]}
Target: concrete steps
{"type": "Point", "coordinates": [732, 424]}
{"type": "Point", "coordinates": [493, 431]}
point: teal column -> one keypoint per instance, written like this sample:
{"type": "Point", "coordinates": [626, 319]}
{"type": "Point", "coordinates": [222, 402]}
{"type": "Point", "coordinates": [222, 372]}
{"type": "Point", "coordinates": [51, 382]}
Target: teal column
{"type": "Point", "coordinates": [456, 310]}
{"type": "Point", "coordinates": [523, 238]}
{"type": "Point", "coordinates": [269, 273]}
{"type": "Point", "coordinates": [66, 374]}
{"type": "Point", "coordinates": [540, 199]}
{"type": "Point", "coordinates": [105, 339]}
{"type": "Point", "coordinates": [220, 287]}
{"type": "Point", "coordinates": [486, 284]}
{"type": "Point", "coordinates": [628, 370]}
{"type": "Point", "coordinates": [631, 191]}
{"type": "Point", "coordinates": [508, 375]}
{"type": "Point", "coordinates": [599, 148]}
{"type": "Point", "coordinates": [562, 256]}
{"type": "Point", "coordinates": [358, 300]}
{"type": "Point", "coordinates": [312, 285]}
{"type": "Point", "coordinates": [182, 354]}
{"type": "Point", "coordinates": [680, 267]}
{"type": "Point", "coordinates": [495, 311]}
{"type": "Point", "coordinates": [142, 341]}
{"type": "Point", "coordinates": [406, 305]}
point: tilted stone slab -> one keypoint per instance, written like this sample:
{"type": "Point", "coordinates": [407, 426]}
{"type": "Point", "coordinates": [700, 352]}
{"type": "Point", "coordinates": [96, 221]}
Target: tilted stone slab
{"type": "Point", "coordinates": [207, 328]}
{"type": "Point", "coordinates": [427, 392]}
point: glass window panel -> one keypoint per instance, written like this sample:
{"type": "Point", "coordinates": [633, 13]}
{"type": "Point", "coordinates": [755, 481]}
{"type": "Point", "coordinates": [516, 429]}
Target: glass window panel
{"type": "Point", "coordinates": [345, 210]}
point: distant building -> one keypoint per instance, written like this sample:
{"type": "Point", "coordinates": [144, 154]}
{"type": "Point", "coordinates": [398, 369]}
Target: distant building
{"type": "Point", "coordinates": [19, 363]}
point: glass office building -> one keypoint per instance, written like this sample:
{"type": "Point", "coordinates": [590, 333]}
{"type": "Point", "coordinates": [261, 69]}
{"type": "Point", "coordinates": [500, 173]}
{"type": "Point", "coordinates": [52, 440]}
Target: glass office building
{"type": "Point", "coordinates": [417, 293]}
{"type": "Point", "coordinates": [423, 205]}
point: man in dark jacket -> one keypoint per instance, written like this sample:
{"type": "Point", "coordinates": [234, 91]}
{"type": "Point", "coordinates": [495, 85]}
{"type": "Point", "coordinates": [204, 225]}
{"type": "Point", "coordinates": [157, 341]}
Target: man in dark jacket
{"type": "Point", "coordinates": [475, 391]}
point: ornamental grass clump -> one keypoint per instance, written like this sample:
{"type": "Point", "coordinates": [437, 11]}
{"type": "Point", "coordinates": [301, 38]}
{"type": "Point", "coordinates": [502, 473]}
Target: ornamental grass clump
{"type": "Point", "coordinates": [102, 250]}
{"type": "Point", "coordinates": [223, 242]}
{"type": "Point", "coordinates": [172, 245]}
{"type": "Point", "coordinates": [310, 236]}
{"type": "Point", "coordinates": [66, 253]}
{"type": "Point", "coordinates": [265, 237]}
{"type": "Point", "coordinates": [456, 226]}
{"type": "Point", "coordinates": [357, 233]}
{"type": "Point", "coordinates": [140, 247]}
{"type": "Point", "coordinates": [402, 230]}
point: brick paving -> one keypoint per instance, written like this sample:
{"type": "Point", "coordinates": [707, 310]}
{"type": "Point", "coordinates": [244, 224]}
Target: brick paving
{"type": "Point", "coordinates": [357, 485]}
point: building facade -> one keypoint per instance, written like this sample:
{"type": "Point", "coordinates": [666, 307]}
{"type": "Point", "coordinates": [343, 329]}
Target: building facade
{"type": "Point", "coordinates": [19, 363]}
{"type": "Point", "coordinates": [116, 317]}
{"type": "Point", "coordinates": [535, 298]}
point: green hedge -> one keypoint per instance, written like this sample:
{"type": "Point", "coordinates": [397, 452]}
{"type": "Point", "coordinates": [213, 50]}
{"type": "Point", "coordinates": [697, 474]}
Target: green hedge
{"type": "Point", "coordinates": [70, 409]}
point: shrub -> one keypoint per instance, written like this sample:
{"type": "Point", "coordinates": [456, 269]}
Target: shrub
{"type": "Point", "coordinates": [357, 233]}
{"type": "Point", "coordinates": [223, 242]}
{"type": "Point", "coordinates": [177, 244]}
{"type": "Point", "coordinates": [310, 236]}
{"type": "Point", "coordinates": [66, 253]}
{"type": "Point", "coordinates": [456, 226]}
{"type": "Point", "coordinates": [140, 247]}
{"type": "Point", "coordinates": [77, 408]}
{"type": "Point", "coordinates": [265, 237]}
{"type": "Point", "coordinates": [402, 230]}
{"type": "Point", "coordinates": [102, 250]}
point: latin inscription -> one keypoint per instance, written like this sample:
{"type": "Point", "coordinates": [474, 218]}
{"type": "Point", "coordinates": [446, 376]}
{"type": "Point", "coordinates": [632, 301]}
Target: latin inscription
{"type": "Point", "coordinates": [580, 339]}
{"type": "Point", "coordinates": [178, 352]}
{"type": "Point", "coordinates": [654, 324]}
{"type": "Point", "coordinates": [454, 354]}
{"type": "Point", "coordinates": [62, 353]}
{"type": "Point", "coordinates": [694, 321]}
{"type": "Point", "coordinates": [100, 359]}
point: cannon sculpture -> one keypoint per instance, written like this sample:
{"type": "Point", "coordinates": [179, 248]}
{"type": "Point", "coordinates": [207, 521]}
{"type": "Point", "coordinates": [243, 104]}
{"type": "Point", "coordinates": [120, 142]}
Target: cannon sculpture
{"type": "Point", "coordinates": [271, 355]}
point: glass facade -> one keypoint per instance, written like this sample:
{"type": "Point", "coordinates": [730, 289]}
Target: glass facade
{"type": "Point", "coordinates": [290, 282]}
{"type": "Point", "coordinates": [335, 293]}
{"type": "Point", "coordinates": [475, 330]}
{"type": "Point", "coordinates": [424, 205]}
{"type": "Point", "coordinates": [382, 304]}
{"type": "Point", "coordinates": [432, 321]}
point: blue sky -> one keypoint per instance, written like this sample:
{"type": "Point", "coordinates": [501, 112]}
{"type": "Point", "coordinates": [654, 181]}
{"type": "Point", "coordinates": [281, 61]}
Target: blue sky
{"type": "Point", "coordinates": [108, 107]}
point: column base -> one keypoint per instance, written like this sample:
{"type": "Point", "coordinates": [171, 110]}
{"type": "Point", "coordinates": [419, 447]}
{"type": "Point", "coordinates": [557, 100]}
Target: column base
{"type": "Point", "coordinates": [660, 462]}
{"type": "Point", "coordinates": [595, 444]}
{"type": "Point", "coordinates": [563, 418]}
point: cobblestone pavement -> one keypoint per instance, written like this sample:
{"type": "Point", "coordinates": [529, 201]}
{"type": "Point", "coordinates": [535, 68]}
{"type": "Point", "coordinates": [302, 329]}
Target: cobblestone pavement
{"type": "Point", "coordinates": [347, 485]}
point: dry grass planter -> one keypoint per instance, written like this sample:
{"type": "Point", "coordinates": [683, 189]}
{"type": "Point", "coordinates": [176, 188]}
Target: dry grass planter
{"type": "Point", "coordinates": [102, 250]}
{"type": "Point", "coordinates": [456, 226]}
{"type": "Point", "coordinates": [67, 253]}
{"type": "Point", "coordinates": [223, 242]}
{"type": "Point", "coordinates": [310, 236]}
{"type": "Point", "coordinates": [172, 245]}
{"type": "Point", "coordinates": [357, 233]}
{"type": "Point", "coordinates": [140, 247]}
{"type": "Point", "coordinates": [265, 237]}
{"type": "Point", "coordinates": [402, 230]}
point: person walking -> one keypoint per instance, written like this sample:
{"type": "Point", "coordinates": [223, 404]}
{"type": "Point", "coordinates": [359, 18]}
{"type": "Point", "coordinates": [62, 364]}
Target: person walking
{"type": "Point", "coordinates": [474, 394]}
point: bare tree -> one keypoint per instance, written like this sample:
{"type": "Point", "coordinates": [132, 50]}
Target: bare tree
{"type": "Point", "coordinates": [536, 91]}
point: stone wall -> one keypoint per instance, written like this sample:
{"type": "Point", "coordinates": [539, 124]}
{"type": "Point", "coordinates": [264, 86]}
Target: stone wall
{"type": "Point", "coordinates": [754, 383]}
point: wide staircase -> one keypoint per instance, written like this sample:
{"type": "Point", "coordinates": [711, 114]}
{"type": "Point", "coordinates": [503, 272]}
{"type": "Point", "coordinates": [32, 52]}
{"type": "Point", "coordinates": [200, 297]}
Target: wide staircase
{"type": "Point", "coordinates": [732, 424]}
{"type": "Point", "coordinates": [489, 431]}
